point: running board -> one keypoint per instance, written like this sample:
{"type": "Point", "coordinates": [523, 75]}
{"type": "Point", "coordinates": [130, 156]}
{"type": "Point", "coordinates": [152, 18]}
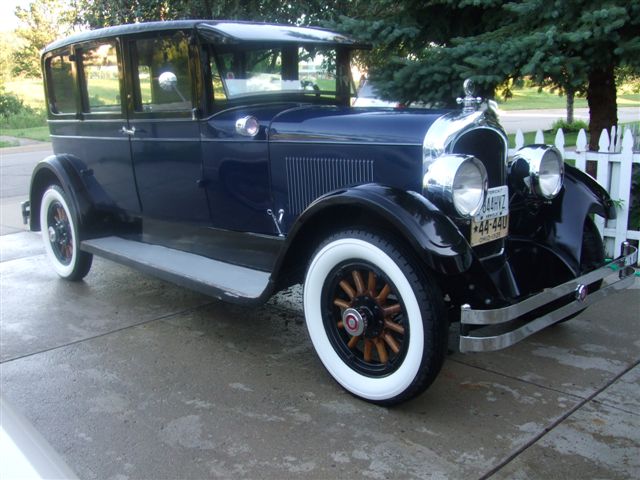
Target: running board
{"type": "Point", "coordinates": [211, 277]}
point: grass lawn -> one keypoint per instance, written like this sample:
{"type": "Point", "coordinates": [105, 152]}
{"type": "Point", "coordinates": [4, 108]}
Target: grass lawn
{"type": "Point", "coordinates": [549, 138]}
{"type": "Point", "coordinates": [30, 90]}
{"type": "Point", "coordinates": [528, 98]}
{"type": "Point", "coordinates": [34, 133]}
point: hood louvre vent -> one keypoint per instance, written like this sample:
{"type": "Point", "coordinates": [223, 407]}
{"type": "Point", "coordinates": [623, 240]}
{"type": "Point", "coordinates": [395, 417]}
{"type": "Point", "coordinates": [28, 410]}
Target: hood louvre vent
{"type": "Point", "coordinates": [310, 177]}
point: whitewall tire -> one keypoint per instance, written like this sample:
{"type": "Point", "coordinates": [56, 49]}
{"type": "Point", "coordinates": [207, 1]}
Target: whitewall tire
{"type": "Point", "coordinates": [58, 225]}
{"type": "Point", "coordinates": [375, 321]}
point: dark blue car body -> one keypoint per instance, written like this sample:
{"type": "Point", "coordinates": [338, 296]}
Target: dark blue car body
{"type": "Point", "coordinates": [164, 166]}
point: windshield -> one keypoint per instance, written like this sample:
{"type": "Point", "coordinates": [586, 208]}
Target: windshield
{"type": "Point", "coordinates": [239, 72]}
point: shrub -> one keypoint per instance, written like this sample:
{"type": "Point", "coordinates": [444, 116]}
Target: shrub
{"type": "Point", "coordinates": [15, 114]}
{"type": "Point", "coordinates": [11, 104]}
{"type": "Point", "coordinates": [566, 127]}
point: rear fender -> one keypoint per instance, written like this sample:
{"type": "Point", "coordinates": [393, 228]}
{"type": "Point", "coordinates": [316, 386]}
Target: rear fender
{"type": "Point", "coordinates": [61, 170]}
{"type": "Point", "coordinates": [429, 232]}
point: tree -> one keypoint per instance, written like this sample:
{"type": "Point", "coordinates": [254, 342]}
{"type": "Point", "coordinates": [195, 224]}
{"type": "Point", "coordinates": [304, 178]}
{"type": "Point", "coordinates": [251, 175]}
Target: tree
{"type": "Point", "coordinates": [102, 13]}
{"type": "Point", "coordinates": [41, 22]}
{"type": "Point", "coordinates": [7, 47]}
{"type": "Point", "coordinates": [424, 49]}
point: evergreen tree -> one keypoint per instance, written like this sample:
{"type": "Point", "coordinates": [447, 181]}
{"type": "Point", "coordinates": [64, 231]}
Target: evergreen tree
{"type": "Point", "coordinates": [424, 49]}
{"type": "Point", "coordinates": [102, 13]}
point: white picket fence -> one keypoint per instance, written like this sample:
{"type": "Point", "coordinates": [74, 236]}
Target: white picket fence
{"type": "Point", "coordinates": [614, 160]}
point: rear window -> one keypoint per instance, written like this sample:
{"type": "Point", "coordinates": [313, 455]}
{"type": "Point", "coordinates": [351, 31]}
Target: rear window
{"type": "Point", "coordinates": [60, 71]}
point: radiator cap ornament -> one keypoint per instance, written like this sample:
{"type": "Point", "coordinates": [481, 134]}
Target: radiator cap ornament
{"type": "Point", "coordinates": [469, 102]}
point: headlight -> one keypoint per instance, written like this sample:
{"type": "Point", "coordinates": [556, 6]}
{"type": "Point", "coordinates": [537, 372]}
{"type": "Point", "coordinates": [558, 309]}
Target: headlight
{"type": "Point", "coordinates": [537, 170]}
{"type": "Point", "coordinates": [456, 183]}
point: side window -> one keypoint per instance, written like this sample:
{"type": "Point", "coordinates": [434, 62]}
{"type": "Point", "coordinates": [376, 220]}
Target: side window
{"type": "Point", "coordinates": [102, 78]}
{"type": "Point", "coordinates": [216, 81]}
{"type": "Point", "coordinates": [161, 69]}
{"type": "Point", "coordinates": [61, 84]}
{"type": "Point", "coordinates": [252, 71]}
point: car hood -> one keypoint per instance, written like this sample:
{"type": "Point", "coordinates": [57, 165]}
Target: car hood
{"type": "Point", "coordinates": [349, 125]}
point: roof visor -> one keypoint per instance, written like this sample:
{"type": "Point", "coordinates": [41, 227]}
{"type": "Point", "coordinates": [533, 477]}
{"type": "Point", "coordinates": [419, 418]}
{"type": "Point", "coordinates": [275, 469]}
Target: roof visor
{"type": "Point", "coordinates": [237, 32]}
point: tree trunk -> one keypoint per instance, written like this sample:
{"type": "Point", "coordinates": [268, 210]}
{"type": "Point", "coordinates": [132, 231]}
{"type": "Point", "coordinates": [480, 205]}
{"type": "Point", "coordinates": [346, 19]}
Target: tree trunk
{"type": "Point", "coordinates": [601, 97]}
{"type": "Point", "coordinates": [570, 100]}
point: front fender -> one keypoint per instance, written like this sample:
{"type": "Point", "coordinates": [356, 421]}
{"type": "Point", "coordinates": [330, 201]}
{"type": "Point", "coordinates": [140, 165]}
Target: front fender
{"type": "Point", "coordinates": [580, 197]}
{"type": "Point", "coordinates": [58, 169]}
{"type": "Point", "coordinates": [432, 235]}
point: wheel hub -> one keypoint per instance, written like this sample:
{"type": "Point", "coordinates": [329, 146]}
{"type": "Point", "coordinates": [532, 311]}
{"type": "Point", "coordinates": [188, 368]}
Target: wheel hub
{"type": "Point", "coordinates": [354, 321]}
{"type": "Point", "coordinates": [373, 317]}
{"type": "Point", "coordinates": [52, 234]}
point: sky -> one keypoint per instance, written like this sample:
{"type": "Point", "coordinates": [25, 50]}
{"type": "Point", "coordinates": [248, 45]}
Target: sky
{"type": "Point", "coordinates": [8, 20]}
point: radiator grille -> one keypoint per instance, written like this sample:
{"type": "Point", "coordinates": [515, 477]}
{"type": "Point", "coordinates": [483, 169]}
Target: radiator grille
{"type": "Point", "coordinates": [310, 177]}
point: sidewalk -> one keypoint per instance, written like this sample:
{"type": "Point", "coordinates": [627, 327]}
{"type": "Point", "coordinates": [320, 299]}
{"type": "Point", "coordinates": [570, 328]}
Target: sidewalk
{"type": "Point", "coordinates": [20, 142]}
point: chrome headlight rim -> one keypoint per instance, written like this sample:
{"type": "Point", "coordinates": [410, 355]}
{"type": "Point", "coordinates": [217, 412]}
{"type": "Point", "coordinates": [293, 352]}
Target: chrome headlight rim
{"type": "Point", "coordinates": [527, 170]}
{"type": "Point", "coordinates": [442, 175]}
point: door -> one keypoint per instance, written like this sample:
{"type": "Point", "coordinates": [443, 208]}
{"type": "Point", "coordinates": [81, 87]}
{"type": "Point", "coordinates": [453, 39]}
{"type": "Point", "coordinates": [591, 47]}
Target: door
{"type": "Point", "coordinates": [91, 131]}
{"type": "Point", "coordinates": [165, 138]}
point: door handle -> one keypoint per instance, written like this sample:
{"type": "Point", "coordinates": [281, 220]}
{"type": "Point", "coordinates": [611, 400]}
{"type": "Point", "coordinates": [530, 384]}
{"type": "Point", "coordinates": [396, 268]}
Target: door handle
{"type": "Point", "coordinates": [128, 131]}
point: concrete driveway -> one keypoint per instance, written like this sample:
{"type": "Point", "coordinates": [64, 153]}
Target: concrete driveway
{"type": "Point", "coordinates": [131, 377]}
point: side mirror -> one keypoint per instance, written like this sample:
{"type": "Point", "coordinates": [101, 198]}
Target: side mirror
{"type": "Point", "coordinates": [168, 81]}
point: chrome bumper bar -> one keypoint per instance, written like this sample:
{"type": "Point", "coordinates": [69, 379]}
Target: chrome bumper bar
{"type": "Point", "coordinates": [621, 269]}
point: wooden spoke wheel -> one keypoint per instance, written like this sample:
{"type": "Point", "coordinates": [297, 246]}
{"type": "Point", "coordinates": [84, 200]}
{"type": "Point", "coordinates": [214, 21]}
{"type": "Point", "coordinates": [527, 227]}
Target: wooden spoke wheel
{"type": "Point", "coordinates": [365, 318]}
{"type": "Point", "coordinates": [60, 235]}
{"type": "Point", "coordinates": [375, 320]}
{"type": "Point", "coordinates": [59, 232]}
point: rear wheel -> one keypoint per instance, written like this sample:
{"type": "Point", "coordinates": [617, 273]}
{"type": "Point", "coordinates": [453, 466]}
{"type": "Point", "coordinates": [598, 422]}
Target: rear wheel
{"type": "Point", "coordinates": [375, 320]}
{"type": "Point", "coordinates": [60, 235]}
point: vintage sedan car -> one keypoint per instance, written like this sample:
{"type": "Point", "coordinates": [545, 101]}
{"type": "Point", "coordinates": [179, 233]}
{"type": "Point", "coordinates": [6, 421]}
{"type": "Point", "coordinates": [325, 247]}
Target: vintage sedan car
{"type": "Point", "coordinates": [226, 157]}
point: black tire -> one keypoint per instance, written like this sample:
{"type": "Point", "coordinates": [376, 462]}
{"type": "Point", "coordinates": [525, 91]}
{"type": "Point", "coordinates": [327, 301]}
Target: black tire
{"type": "Point", "coordinates": [376, 321]}
{"type": "Point", "coordinates": [59, 227]}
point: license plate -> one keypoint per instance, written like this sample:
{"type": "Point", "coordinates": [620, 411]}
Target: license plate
{"type": "Point", "coordinates": [492, 222]}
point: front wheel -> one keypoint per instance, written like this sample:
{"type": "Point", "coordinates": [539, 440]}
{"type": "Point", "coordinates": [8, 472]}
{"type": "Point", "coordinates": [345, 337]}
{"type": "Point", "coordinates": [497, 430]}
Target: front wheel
{"type": "Point", "coordinates": [375, 320]}
{"type": "Point", "coordinates": [60, 235]}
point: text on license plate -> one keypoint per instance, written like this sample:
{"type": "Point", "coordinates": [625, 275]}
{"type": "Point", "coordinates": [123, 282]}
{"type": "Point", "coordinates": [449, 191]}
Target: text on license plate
{"type": "Point", "coordinates": [492, 222]}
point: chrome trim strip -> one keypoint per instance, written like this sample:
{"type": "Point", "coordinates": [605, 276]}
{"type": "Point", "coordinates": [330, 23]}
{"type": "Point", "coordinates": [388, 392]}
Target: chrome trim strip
{"type": "Point", "coordinates": [344, 142]}
{"type": "Point", "coordinates": [87, 137]}
{"type": "Point", "coordinates": [158, 140]}
{"type": "Point", "coordinates": [502, 315]}
{"type": "Point", "coordinates": [87, 120]}
{"type": "Point", "coordinates": [472, 343]}
{"type": "Point", "coordinates": [232, 140]}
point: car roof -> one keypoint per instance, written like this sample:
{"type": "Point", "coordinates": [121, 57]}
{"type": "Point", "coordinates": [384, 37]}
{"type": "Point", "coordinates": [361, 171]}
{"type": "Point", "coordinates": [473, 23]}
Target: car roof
{"type": "Point", "coordinates": [222, 31]}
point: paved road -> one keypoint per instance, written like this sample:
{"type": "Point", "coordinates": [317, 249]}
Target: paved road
{"type": "Point", "coordinates": [16, 165]}
{"type": "Point", "coordinates": [131, 377]}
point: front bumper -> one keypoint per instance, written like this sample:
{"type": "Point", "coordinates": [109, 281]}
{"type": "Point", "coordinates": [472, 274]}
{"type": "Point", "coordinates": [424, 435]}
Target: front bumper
{"type": "Point", "coordinates": [490, 335]}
